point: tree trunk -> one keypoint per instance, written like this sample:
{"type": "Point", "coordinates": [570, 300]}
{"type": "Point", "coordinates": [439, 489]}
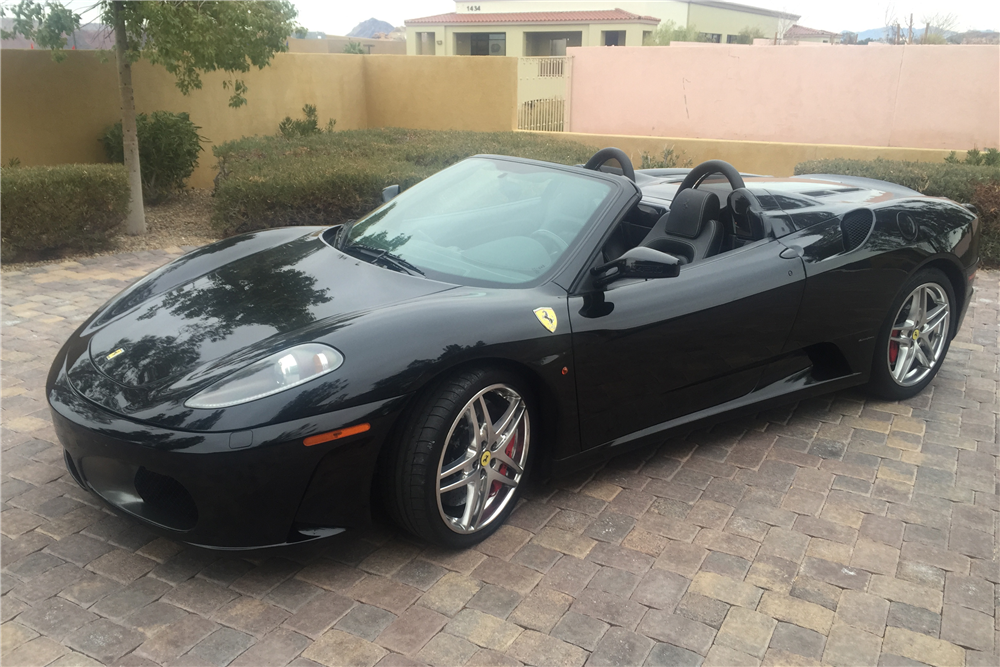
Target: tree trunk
{"type": "Point", "coordinates": [136, 221]}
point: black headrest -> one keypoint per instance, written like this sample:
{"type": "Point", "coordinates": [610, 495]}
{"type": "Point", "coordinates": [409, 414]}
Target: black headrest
{"type": "Point", "coordinates": [689, 211]}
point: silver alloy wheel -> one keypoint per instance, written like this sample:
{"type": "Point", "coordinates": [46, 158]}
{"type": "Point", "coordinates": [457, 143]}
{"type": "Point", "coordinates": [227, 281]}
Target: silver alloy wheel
{"type": "Point", "coordinates": [483, 459]}
{"type": "Point", "coordinates": [919, 334]}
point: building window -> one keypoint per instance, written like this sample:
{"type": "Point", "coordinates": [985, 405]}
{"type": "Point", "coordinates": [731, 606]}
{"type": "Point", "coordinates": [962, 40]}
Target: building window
{"type": "Point", "coordinates": [489, 44]}
{"type": "Point", "coordinates": [732, 39]}
{"type": "Point", "coordinates": [613, 37]}
{"type": "Point", "coordinates": [711, 37]}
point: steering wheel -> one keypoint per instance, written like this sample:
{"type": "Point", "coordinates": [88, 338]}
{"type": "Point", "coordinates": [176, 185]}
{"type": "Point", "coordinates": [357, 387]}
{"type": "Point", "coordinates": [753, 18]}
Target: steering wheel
{"type": "Point", "coordinates": [706, 169]}
{"type": "Point", "coordinates": [554, 244]}
{"type": "Point", "coordinates": [600, 157]}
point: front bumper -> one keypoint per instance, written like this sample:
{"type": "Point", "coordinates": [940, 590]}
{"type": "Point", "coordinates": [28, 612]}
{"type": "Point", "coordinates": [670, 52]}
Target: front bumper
{"type": "Point", "coordinates": [198, 489]}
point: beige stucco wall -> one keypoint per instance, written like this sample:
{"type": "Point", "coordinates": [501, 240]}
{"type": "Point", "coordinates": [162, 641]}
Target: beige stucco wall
{"type": "Point", "coordinates": [914, 96]}
{"type": "Point", "coordinates": [770, 158]}
{"type": "Point", "coordinates": [441, 93]}
{"type": "Point", "coordinates": [729, 22]}
{"type": "Point", "coordinates": [54, 113]}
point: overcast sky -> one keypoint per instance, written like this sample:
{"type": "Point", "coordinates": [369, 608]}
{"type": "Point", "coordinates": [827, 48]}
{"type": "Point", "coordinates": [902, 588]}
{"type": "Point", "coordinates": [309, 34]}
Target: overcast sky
{"type": "Point", "coordinates": [339, 16]}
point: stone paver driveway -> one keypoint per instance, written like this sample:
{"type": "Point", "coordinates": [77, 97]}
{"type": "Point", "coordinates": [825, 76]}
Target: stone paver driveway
{"type": "Point", "coordinates": [840, 531]}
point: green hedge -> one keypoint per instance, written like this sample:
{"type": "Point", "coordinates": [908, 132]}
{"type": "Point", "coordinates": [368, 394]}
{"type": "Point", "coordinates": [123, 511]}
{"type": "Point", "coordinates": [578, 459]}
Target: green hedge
{"type": "Point", "coordinates": [327, 178]}
{"type": "Point", "coordinates": [69, 207]}
{"type": "Point", "coordinates": [963, 183]}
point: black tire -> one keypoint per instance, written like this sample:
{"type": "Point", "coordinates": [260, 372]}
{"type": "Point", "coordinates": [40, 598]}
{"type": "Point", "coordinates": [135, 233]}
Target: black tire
{"type": "Point", "coordinates": [885, 361]}
{"type": "Point", "coordinates": [410, 481]}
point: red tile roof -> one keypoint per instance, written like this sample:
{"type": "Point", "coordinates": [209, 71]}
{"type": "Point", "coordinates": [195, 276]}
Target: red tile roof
{"type": "Point", "coordinates": [475, 18]}
{"type": "Point", "coordinates": [802, 31]}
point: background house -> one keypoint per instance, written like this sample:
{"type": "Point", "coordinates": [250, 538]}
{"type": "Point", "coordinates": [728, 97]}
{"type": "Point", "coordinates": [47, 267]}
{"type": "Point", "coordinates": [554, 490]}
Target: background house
{"type": "Point", "coordinates": [535, 33]}
{"type": "Point", "coordinates": [514, 27]}
{"type": "Point", "coordinates": [800, 33]}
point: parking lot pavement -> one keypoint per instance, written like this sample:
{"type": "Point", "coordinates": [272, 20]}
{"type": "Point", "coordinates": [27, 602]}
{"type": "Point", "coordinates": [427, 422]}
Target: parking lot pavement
{"type": "Point", "coordinates": [840, 531]}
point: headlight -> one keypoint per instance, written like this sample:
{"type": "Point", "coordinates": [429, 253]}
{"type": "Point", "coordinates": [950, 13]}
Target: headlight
{"type": "Point", "coordinates": [270, 375]}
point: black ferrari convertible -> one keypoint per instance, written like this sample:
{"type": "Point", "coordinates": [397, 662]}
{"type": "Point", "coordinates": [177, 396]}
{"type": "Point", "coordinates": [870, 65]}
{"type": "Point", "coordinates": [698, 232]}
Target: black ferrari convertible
{"type": "Point", "coordinates": [503, 316]}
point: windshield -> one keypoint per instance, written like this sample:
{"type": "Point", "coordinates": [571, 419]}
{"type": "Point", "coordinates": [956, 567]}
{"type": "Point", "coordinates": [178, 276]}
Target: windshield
{"type": "Point", "coordinates": [484, 221]}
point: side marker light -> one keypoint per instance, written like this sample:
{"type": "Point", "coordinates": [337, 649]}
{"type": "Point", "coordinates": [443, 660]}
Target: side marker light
{"type": "Point", "coordinates": [335, 435]}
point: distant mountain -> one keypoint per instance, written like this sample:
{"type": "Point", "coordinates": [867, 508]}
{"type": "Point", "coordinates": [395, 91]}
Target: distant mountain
{"type": "Point", "coordinates": [370, 28]}
{"type": "Point", "coordinates": [879, 33]}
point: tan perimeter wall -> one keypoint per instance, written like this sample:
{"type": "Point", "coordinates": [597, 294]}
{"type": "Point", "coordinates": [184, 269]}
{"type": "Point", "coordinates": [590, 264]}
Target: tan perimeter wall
{"type": "Point", "coordinates": [55, 113]}
{"type": "Point", "coordinates": [466, 94]}
{"type": "Point", "coordinates": [764, 158]}
{"type": "Point", "coordinates": [914, 96]}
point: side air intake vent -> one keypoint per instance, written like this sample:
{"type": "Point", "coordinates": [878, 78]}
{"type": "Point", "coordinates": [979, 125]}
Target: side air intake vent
{"type": "Point", "coordinates": [174, 506]}
{"type": "Point", "coordinates": [855, 227]}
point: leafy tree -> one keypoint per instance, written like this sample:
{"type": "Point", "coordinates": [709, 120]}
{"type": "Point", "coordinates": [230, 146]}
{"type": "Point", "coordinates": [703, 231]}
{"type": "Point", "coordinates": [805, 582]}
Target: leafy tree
{"type": "Point", "coordinates": [354, 47]}
{"type": "Point", "coordinates": [669, 31]}
{"type": "Point", "coordinates": [187, 38]}
{"type": "Point", "coordinates": [748, 34]}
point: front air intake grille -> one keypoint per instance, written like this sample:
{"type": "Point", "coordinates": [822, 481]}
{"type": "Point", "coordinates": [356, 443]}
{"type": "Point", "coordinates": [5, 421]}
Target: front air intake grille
{"type": "Point", "coordinates": [855, 227]}
{"type": "Point", "coordinates": [167, 497]}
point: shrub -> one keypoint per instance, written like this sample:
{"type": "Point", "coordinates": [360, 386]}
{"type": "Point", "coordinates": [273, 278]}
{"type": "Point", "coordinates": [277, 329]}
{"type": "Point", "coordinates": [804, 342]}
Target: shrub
{"type": "Point", "coordinates": [291, 128]}
{"type": "Point", "coordinates": [668, 32]}
{"type": "Point", "coordinates": [990, 158]}
{"type": "Point", "coordinates": [986, 197]}
{"type": "Point", "coordinates": [331, 177]}
{"type": "Point", "coordinates": [669, 160]}
{"type": "Point", "coordinates": [48, 209]}
{"type": "Point", "coordinates": [169, 144]}
{"type": "Point", "coordinates": [960, 182]}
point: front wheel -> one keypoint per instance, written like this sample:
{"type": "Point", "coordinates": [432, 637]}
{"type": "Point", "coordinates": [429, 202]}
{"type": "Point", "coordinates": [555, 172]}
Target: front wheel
{"type": "Point", "coordinates": [457, 471]}
{"type": "Point", "coordinates": [915, 338]}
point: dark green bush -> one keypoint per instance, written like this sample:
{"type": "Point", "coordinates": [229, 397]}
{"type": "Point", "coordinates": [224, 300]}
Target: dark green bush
{"type": "Point", "coordinates": [960, 182]}
{"type": "Point", "coordinates": [327, 178]}
{"type": "Point", "coordinates": [169, 144]}
{"type": "Point", "coordinates": [70, 207]}
{"type": "Point", "coordinates": [986, 197]}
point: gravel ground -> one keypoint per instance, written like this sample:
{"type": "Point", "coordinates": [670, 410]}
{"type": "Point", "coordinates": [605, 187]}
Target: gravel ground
{"type": "Point", "coordinates": [183, 220]}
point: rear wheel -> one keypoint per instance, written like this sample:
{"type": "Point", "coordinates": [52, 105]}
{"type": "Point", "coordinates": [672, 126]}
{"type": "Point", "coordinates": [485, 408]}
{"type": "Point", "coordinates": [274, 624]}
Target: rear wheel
{"type": "Point", "coordinates": [458, 470]}
{"type": "Point", "coordinates": [914, 339]}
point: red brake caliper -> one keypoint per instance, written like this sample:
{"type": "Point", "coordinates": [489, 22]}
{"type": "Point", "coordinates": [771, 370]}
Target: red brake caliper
{"type": "Point", "coordinates": [893, 347]}
{"type": "Point", "coordinates": [511, 446]}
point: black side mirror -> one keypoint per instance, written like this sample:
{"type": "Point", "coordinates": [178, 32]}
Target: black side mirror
{"type": "Point", "coordinates": [390, 193]}
{"type": "Point", "coordinates": [638, 262]}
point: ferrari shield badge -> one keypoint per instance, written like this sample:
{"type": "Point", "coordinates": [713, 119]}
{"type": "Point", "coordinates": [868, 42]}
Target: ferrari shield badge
{"type": "Point", "coordinates": [547, 317]}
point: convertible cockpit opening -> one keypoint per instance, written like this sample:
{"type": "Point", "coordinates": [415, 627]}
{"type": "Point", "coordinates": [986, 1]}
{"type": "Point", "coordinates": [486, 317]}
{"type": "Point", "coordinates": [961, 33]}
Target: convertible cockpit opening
{"type": "Point", "coordinates": [711, 212]}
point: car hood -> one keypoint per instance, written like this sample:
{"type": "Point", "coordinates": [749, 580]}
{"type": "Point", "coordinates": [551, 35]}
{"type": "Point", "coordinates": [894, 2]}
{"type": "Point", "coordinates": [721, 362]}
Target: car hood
{"type": "Point", "coordinates": [189, 335]}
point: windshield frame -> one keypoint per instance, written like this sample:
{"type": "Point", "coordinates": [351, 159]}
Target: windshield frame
{"type": "Point", "coordinates": [608, 209]}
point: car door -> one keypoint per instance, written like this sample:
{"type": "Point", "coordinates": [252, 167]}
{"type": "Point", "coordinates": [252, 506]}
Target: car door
{"type": "Point", "coordinates": [647, 352]}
